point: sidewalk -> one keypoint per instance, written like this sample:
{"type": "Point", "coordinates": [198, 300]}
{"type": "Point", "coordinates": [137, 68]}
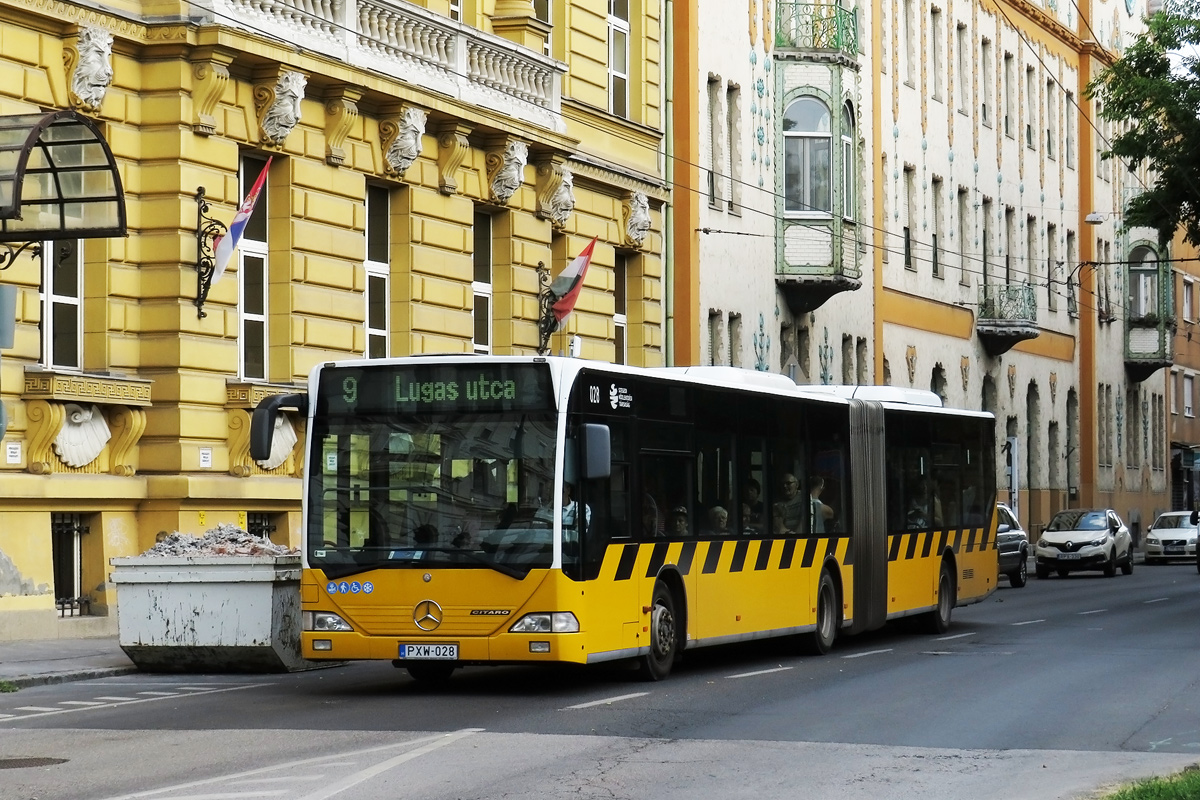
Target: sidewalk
{"type": "Point", "coordinates": [36, 662]}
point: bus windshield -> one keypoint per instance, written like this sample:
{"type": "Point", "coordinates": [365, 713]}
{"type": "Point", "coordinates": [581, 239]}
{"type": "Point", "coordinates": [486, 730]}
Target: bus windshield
{"type": "Point", "coordinates": [462, 482]}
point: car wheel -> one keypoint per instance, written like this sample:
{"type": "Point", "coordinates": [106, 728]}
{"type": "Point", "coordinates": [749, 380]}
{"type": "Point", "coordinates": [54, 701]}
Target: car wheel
{"type": "Point", "coordinates": [1127, 564]}
{"type": "Point", "coordinates": [1042, 571]}
{"type": "Point", "coordinates": [1020, 575]}
{"type": "Point", "coordinates": [1110, 566]}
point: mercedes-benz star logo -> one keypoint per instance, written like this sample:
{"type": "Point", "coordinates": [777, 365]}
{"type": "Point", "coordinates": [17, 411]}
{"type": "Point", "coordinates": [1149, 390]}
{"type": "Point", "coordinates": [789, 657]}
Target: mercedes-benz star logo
{"type": "Point", "coordinates": [427, 615]}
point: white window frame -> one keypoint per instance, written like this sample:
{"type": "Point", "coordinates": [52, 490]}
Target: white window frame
{"type": "Point", "coordinates": [481, 291]}
{"type": "Point", "coordinates": [935, 35]}
{"type": "Point", "coordinates": [986, 80]}
{"type": "Point", "coordinates": [621, 308]}
{"type": "Point", "coordinates": [618, 33]}
{"type": "Point", "coordinates": [456, 10]}
{"type": "Point", "coordinates": [1189, 290]}
{"type": "Point", "coordinates": [848, 166]}
{"type": "Point", "coordinates": [1189, 392]}
{"type": "Point", "coordinates": [378, 276]}
{"type": "Point", "coordinates": [1174, 392]}
{"type": "Point", "coordinates": [248, 172]}
{"type": "Point", "coordinates": [964, 68]}
{"type": "Point", "coordinates": [51, 300]}
{"type": "Point", "coordinates": [544, 11]}
{"type": "Point", "coordinates": [804, 141]}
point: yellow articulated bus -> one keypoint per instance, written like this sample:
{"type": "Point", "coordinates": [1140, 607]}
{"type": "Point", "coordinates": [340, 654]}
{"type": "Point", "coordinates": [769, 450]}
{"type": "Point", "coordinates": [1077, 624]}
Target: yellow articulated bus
{"type": "Point", "coordinates": [465, 510]}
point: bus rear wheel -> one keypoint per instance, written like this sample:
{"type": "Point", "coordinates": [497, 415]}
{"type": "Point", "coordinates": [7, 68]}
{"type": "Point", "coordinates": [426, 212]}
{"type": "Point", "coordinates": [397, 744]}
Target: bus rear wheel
{"type": "Point", "coordinates": [820, 641]}
{"type": "Point", "coordinates": [664, 636]}
{"type": "Point", "coordinates": [938, 620]}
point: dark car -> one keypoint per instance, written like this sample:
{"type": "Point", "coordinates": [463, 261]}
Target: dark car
{"type": "Point", "coordinates": [1012, 545]}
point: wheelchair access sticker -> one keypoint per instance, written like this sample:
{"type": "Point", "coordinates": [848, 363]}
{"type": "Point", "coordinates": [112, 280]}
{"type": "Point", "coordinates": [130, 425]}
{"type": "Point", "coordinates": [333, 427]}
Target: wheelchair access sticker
{"type": "Point", "coordinates": [349, 587]}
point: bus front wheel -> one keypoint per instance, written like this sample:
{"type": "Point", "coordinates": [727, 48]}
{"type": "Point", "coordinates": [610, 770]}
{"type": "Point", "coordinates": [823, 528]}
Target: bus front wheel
{"type": "Point", "coordinates": [664, 637]}
{"type": "Point", "coordinates": [821, 639]}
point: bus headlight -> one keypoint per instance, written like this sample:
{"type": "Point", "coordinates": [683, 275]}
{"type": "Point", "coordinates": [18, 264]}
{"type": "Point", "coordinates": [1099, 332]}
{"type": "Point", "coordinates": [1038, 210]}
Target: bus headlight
{"type": "Point", "coordinates": [323, 621]}
{"type": "Point", "coordinates": [547, 622]}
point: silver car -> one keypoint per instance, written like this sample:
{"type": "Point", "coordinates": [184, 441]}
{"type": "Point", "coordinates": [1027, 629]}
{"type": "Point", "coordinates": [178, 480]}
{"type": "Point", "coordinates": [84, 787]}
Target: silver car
{"type": "Point", "coordinates": [1082, 539]}
{"type": "Point", "coordinates": [1173, 535]}
{"type": "Point", "coordinates": [1012, 546]}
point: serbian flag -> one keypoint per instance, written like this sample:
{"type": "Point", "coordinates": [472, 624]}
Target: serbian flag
{"type": "Point", "coordinates": [568, 285]}
{"type": "Point", "coordinates": [226, 244]}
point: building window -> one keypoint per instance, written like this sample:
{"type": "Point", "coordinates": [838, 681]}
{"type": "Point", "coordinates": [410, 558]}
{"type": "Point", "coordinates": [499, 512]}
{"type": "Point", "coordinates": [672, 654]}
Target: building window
{"type": "Point", "coordinates": [849, 171]}
{"type": "Point", "coordinates": [1051, 117]}
{"type": "Point", "coordinates": [715, 345]}
{"type": "Point", "coordinates": [620, 306]}
{"type": "Point", "coordinates": [964, 68]}
{"type": "Point", "coordinates": [66, 553]}
{"type": "Point", "coordinates": [1189, 289]}
{"type": "Point", "coordinates": [910, 214]}
{"type": "Point", "coordinates": [542, 10]}
{"type": "Point", "coordinates": [986, 241]}
{"type": "Point", "coordinates": [715, 156]}
{"type": "Point", "coordinates": [986, 79]}
{"type": "Point", "coordinates": [618, 57]}
{"type": "Point", "coordinates": [937, 227]}
{"type": "Point", "coordinates": [1053, 267]}
{"type": "Point", "coordinates": [1143, 282]}
{"type": "Point", "coordinates": [378, 271]}
{"type": "Point", "coordinates": [735, 339]}
{"type": "Point", "coordinates": [1189, 390]}
{"type": "Point", "coordinates": [1031, 259]}
{"type": "Point", "coordinates": [456, 10]}
{"type": "Point", "coordinates": [910, 42]}
{"type": "Point", "coordinates": [1072, 256]}
{"type": "Point", "coordinates": [935, 35]}
{"type": "Point", "coordinates": [806, 152]}
{"type": "Point", "coordinates": [481, 285]}
{"type": "Point", "coordinates": [1010, 241]}
{"type": "Point", "coordinates": [1031, 105]}
{"type": "Point", "coordinates": [62, 304]}
{"type": "Point", "coordinates": [252, 276]}
{"type": "Point", "coordinates": [733, 117]}
{"type": "Point", "coordinates": [964, 235]}
{"type": "Point", "coordinates": [1009, 89]}
{"type": "Point", "coordinates": [1069, 130]}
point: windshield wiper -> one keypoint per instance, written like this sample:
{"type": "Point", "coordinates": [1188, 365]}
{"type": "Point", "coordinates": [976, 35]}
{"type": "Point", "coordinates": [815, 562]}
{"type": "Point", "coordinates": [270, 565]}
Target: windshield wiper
{"type": "Point", "coordinates": [415, 554]}
{"type": "Point", "coordinates": [502, 568]}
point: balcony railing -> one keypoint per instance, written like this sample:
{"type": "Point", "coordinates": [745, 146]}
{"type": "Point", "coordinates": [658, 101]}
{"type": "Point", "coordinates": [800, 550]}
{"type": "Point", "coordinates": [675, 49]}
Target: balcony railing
{"type": "Point", "coordinates": [816, 26]}
{"type": "Point", "coordinates": [408, 43]}
{"type": "Point", "coordinates": [1012, 302]}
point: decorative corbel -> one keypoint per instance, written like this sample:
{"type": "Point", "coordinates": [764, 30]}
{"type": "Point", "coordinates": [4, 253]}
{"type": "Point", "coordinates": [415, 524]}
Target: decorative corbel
{"type": "Point", "coordinates": [506, 170]}
{"type": "Point", "coordinates": [452, 149]}
{"type": "Point", "coordinates": [127, 424]}
{"type": "Point", "coordinates": [555, 191]}
{"type": "Point", "coordinates": [636, 216]}
{"type": "Point", "coordinates": [277, 103]}
{"type": "Point", "coordinates": [341, 111]}
{"type": "Point", "coordinates": [210, 75]}
{"type": "Point", "coordinates": [45, 423]}
{"type": "Point", "coordinates": [401, 137]}
{"type": "Point", "coordinates": [88, 62]}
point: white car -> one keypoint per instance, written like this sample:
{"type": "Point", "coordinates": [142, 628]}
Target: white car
{"type": "Point", "coordinates": [1173, 535]}
{"type": "Point", "coordinates": [1080, 539]}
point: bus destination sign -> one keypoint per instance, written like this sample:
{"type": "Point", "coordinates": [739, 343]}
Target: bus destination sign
{"type": "Point", "coordinates": [420, 388]}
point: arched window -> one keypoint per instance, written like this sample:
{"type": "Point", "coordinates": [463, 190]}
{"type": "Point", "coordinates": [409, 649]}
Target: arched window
{"type": "Point", "coordinates": [807, 158]}
{"type": "Point", "coordinates": [1143, 282]}
{"type": "Point", "coordinates": [848, 167]}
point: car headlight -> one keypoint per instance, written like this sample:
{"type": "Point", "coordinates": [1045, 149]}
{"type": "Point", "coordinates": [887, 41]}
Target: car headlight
{"type": "Point", "coordinates": [1042, 542]}
{"type": "Point", "coordinates": [1151, 539]}
{"type": "Point", "coordinates": [323, 621]}
{"type": "Point", "coordinates": [1099, 541]}
{"type": "Point", "coordinates": [546, 622]}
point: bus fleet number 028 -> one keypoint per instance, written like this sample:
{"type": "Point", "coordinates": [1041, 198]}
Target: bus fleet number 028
{"type": "Point", "coordinates": [432, 652]}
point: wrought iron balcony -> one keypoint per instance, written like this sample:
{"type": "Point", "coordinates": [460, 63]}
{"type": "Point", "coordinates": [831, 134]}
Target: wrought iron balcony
{"type": "Point", "coordinates": [816, 26]}
{"type": "Point", "coordinates": [1007, 316]}
{"type": "Point", "coordinates": [1149, 344]}
{"type": "Point", "coordinates": [406, 42]}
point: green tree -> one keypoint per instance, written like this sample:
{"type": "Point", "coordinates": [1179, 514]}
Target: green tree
{"type": "Point", "coordinates": [1153, 94]}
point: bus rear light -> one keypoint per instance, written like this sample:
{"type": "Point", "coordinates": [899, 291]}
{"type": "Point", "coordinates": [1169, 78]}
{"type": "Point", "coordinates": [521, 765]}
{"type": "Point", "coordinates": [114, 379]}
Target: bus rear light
{"type": "Point", "coordinates": [546, 622]}
{"type": "Point", "coordinates": [323, 621]}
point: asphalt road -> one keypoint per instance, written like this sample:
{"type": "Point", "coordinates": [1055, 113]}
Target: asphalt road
{"type": "Point", "coordinates": [1051, 691]}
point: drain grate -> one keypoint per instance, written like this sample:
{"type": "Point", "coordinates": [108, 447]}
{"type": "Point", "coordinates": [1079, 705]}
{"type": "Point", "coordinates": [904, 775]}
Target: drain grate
{"type": "Point", "coordinates": [20, 763]}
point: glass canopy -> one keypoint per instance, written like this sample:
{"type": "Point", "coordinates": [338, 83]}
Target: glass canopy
{"type": "Point", "coordinates": [58, 179]}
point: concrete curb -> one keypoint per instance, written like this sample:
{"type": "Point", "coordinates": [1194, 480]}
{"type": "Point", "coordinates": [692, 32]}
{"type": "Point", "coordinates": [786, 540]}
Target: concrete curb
{"type": "Point", "coordinates": [29, 681]}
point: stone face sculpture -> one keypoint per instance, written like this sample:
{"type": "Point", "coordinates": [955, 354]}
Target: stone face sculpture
{"type": "Point", "coordinates": [284, 113]}
{"type": "Point", "coordinates": [510, 171]}
{"type": "Point", "coordinates": [637, 223]}
{"type": "Point", "coordinates": [406, 147]}
{"type": "Point", "coordinates": [93, 72]}
{"type": "Point", "coordinates": [562, 203]}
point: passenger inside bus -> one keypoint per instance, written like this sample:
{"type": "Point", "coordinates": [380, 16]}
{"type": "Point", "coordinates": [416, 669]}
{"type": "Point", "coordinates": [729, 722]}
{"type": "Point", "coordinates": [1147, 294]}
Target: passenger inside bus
{"type": "Point", "coordinates": [821, 515]}
{"type": "Point", "coordinates": [650, 521]}
{"type": "Point", "coordinates": [718, 521]}
{"type": "Point", "coordinates": [679, 526]}
{"type": "Point", "coordinates": [791, 511]}
{"type": "Point", "coordinates": [752, 506]}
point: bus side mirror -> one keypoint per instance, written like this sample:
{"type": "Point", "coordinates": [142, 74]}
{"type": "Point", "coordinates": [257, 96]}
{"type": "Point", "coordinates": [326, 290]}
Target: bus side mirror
{"type": "Point", "coordinates": [597, 451]}
{"type": "Point", "coordinates": [262, 424]}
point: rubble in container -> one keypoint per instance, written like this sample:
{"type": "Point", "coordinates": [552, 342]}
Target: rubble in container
{"type": "Point", "coordinates": [223, 540]}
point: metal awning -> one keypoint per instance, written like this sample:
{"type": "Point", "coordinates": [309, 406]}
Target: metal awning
{"type": "Point", "coordinates": [58, 179]}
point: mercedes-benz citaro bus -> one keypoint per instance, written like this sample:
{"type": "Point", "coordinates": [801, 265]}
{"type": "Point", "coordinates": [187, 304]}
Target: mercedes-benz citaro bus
{"type": "Point", "coordinates": [465, 510]}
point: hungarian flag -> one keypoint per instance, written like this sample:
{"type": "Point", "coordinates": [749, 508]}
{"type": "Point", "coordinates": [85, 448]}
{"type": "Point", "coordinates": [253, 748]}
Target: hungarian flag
{"type": "Point", "coordinates": [226, 244]}
{"type": "Point", "coordinates": [567, 286]}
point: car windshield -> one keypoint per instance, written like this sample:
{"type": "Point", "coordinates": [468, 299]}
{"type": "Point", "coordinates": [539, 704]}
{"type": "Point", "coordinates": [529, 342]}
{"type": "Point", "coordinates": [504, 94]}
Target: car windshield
{"type": "Point", "coordinates": [1171, 521]}
{"type": "Point", "coordinates": [1078, 521]}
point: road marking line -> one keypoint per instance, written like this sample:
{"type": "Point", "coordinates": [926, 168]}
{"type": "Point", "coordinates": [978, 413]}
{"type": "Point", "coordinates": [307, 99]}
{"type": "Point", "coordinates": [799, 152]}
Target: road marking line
{"type": "Point", "coordinates": [759, 672]}
{"type": "Point", "coordinates": [81, 703]}
{"type": "Point", "coordinates": [162, 694]}
{"type": "Point", "coordinates": [1029, 622]}
{"type": "Point", "coordinates": [231, 795]}
{"type": "Point", "coordinates": [116, 698]}
{"type": "Point", "coordinates": [7, 716]}
{"type": "Point", "coordinates": [432, 743]}
{"type": "Point", "coordinates": [50, 712]}
{"type": "Point", "coordinates": [605, 701]}
{"type": "Point", "coordinates": [287, 778]}
{"type": "Point", "coordinates": [1157, 600]}
{"type": "Point", "coordinates": [955, 636]}
{"type": "Point", "coordinates": [868, 653]}
{"type": "Point", "coordinates": [1095, 611]}
{"type": "Point", "coordinates": [35, 708]}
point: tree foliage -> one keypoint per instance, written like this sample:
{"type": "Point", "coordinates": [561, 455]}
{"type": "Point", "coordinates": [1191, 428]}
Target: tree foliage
{"type": "Point", "coordinates": [1152, 93]}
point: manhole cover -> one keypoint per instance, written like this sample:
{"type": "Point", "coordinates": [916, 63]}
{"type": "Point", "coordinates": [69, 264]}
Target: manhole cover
{"type": "Point", "coordinates": [19, 763]}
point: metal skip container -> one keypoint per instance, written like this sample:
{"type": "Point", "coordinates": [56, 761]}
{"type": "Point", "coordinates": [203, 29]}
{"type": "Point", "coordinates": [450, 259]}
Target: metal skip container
{"type": "Point", "coordinates": [204, 613]}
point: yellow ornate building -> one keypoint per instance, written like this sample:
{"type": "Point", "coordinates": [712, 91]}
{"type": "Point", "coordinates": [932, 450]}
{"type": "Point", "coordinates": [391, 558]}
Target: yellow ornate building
{"type": "Point", "coordinates": [424, 159]}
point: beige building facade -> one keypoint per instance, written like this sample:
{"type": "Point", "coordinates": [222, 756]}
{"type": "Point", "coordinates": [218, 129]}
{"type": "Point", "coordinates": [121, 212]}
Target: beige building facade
{"type": "Point", "coordinates": [431, 166]}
